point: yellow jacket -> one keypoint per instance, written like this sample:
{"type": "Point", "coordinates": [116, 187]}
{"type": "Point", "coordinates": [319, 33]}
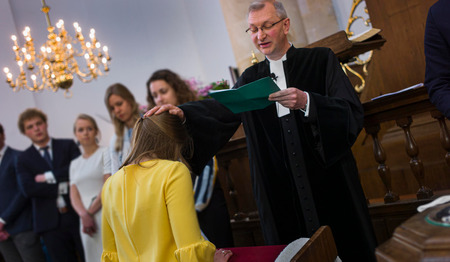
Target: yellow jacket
{"type": "Point", "coordinates": [148, 215]}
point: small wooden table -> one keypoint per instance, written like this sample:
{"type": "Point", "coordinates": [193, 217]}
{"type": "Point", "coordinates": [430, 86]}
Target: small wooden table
{"type": "Point", "coordinates": [417, 240]}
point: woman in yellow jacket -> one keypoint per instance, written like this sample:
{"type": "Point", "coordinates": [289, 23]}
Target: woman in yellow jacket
{"type": "Point", "coordinates": [148, 208]}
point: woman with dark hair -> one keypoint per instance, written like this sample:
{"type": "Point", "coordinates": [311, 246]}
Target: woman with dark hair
{"type": "Point", "coordinates": [124, 111]}
{"type": "Point", "coordinates": [166, 87]}
{"type": "Point", "coordinates": [148, 209]}
{"type": "Point", "coordinates": [172, 89]}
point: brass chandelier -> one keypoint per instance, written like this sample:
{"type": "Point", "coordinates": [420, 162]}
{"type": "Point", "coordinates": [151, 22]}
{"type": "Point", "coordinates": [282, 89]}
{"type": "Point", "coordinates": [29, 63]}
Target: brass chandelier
{"type": "Point", "coordinates": [56, 64]}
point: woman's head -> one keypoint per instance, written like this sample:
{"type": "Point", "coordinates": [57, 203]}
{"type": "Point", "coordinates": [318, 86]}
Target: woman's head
{"type": "Point", "coordinates": [123, 110]}
{"type": "Point", "coordinates": [159, 136]}
{"type": "Point", "coordinates": [121, 104]}
{"type": "Point", "coordinates": [166, 87]}
{"type": "Point", "coordinates": [86, 130]}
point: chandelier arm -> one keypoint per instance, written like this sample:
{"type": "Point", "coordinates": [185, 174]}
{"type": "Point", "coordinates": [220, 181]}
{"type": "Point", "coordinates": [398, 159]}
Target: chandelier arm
{"type": "Point", "coordinates": [45, 9]}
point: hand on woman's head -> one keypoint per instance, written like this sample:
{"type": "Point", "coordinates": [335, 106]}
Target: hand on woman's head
{"type": "Point", "coordinates": [173, 110]}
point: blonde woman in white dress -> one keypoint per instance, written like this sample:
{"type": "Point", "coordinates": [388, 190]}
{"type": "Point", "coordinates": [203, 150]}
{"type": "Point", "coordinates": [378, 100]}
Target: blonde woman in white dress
{"type": "Point", "coordinates": [87, 175]}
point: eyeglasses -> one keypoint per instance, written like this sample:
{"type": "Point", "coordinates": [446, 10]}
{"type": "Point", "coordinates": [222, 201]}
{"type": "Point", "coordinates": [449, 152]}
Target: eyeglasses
{"type": "Point", "coordinates": [263, 28]}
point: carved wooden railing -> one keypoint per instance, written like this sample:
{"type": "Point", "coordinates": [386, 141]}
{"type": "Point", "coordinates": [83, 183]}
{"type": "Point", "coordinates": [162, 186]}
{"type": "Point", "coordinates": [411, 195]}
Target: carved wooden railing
{"type": "Point", "coordinates": [400, 107]}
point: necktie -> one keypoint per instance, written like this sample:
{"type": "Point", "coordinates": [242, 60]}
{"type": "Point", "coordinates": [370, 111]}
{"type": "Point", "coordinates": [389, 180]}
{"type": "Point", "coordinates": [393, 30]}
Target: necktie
{"type": "Point", "coordinates": [47, 156]}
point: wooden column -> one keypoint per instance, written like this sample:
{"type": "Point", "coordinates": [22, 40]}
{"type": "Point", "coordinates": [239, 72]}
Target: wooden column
{"type": "Point", "coordinates": [415, 163]}
{"type": "Point", "coordinates": [383, 169]}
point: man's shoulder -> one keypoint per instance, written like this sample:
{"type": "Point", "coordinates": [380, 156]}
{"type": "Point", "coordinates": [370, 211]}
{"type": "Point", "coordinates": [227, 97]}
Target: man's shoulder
{"type": "Point", "coordinates": [63, 142]}
{"type": "Point", "coordinates": [13, 151]}
{"type": "Point", "coordinates": [24, 155]}
{"type": "Point", "coordinates": [314, 51]}
{"type": "Point", "coordinates": [439, 11]}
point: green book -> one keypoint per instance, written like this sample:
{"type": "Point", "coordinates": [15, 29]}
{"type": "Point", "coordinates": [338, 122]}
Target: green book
{"type": "Point", "coordinates": [252, 96]}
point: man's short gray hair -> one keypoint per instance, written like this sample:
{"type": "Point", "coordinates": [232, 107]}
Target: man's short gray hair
{"type": "Point", "coordinates": [258, 5]}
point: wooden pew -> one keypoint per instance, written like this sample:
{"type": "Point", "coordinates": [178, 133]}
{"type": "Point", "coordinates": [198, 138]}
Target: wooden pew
{"type": "Point", "coordinates": [319, 248]}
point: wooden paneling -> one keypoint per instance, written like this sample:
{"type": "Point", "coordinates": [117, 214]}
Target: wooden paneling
{"type": "Point", "coordinates": [400, 63]}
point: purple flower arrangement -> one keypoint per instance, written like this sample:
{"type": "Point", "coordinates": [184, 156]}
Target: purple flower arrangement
{"type": "Point", "coordinates": [203, 91]}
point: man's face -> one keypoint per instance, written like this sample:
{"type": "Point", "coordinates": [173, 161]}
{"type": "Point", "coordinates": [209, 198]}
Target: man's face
{"type": "Point", "coordinates": [272, 42]}
{"type": "Point", "coordinates": [36, 130]}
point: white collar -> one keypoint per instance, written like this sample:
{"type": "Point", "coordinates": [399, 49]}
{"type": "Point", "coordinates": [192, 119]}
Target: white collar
{"type": "Point", "coordinates": [49, 144]}
{"type": "Point", "coordinates": [283, 58]}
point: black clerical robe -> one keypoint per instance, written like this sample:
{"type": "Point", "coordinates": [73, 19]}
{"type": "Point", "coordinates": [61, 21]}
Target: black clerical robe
{"type": "Point", "coordinates": [326, 136]}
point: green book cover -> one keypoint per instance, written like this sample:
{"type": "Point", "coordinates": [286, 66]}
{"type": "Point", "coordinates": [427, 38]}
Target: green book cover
{"type": "Point", "coordinates": [252, 96]}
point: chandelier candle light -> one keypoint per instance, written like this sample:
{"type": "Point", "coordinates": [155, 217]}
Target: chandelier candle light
{"type": "Point", "coordinates": [56, 64]}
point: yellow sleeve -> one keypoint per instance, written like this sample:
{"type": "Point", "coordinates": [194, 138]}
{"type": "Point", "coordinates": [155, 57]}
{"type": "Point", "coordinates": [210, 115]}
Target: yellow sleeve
{"type": "Point", "coordinates": [109, 253]}
{"type": "Point", "coordinates": [191, 246]}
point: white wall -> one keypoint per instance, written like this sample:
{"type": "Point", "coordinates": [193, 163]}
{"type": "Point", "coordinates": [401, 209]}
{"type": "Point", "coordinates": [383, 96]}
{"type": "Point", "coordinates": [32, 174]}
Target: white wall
{"type": "Point", "coordinates": [342, 10]}
{"type": "Point", "coordinates": [187, 36]}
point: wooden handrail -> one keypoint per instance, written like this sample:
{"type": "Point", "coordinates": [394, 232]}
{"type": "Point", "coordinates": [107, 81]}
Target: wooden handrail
{"type": "Point", "coordinates": [400, 107]}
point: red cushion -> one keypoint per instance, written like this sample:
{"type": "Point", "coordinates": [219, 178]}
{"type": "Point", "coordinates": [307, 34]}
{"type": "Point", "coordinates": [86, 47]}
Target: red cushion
{"type": "Point", "coordinates": [256, 253]}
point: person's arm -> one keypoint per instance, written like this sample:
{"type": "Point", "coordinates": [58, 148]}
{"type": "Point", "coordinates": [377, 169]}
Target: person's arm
{"type": "Point", "coordinates": [87, 219]}
{"type": "Point", "coordinates": [96, 205]}
{"type": "Point", "coordinates": [209, 123]}
{"type": "Point", "coordinates": [18, 202]}
{"type": "Point", "coordinates": [333, 118]}
{"type": "Point", "coordinates": [183, 219]}
{"type": "Point", "coordinates": [113, 158]}
{"type": "Point", "coordinates": [27, 182]}
{"type": "Point", "coordinates": [109, 253]}
{"type": "Point", "coordinates": [437, 57]}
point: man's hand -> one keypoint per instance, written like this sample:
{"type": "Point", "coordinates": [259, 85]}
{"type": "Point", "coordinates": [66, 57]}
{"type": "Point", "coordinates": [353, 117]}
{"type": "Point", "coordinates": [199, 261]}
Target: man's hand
{"type": "Point", "coordinates": [3, 235]}
{"type": "Point", "coordinates": [291, 98]}
{"type": "Point", "coordinates": [40, 178]}
{"type": "Point", "coordinates": [173, 110]}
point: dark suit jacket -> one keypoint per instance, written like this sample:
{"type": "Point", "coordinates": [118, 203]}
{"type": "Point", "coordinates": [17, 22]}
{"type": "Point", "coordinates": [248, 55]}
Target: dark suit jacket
{"type": "Point", "coordinates": [15, 208]}
{"type": "Point", "coordinates": [437, 53]}
{"type": "Point", "coordinates": [44, 195]}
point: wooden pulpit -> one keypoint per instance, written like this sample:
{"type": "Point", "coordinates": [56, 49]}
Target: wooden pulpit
{"type": "Point", "coordinates": [417, 240]}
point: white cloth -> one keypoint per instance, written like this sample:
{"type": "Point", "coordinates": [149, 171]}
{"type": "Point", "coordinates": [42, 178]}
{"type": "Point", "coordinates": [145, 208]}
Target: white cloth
{"type": "Point", "coordinates": [2, 153]}
{"type": "Point", "coordinates": [437, 201]}
{"type": "Point", "coordinates": [292, 249]}
{"type": "Point", "coordinates": [204, 185]}
{"type": "Point", "coordinates": [87, 174]}
{"type": "Point", "coordinates": [117, 158]}
{"type": "Point", "coordinates": [276, 67]}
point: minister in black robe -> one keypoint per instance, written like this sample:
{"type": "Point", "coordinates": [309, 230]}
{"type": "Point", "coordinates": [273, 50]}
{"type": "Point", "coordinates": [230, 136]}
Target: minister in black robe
{"type": "Point", "coordinates": [326, 135]}
{"type": "Point", "coordinates": [302, 168]}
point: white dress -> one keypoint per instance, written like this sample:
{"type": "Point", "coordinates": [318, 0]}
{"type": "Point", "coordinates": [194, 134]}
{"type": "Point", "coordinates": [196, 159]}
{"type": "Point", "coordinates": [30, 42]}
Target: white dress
{"type": "Point", "coordinates": [87, 174]}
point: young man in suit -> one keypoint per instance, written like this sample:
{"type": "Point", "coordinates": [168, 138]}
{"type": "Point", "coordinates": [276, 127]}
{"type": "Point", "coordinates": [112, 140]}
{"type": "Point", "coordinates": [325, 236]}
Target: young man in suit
{"type": "Point", "coordinates": [437, 54]}
{"type": "Point", "coordinates": [43, 171]}
{"type": "Point", "coordinates": [18, 242]}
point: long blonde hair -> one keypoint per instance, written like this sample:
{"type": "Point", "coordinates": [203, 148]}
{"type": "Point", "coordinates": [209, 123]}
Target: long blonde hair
{"type": "Point", "coordinates": [120, 90]}
{"type": "Point", "coordinates": [160, 136]}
